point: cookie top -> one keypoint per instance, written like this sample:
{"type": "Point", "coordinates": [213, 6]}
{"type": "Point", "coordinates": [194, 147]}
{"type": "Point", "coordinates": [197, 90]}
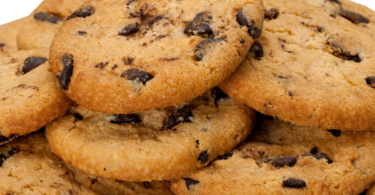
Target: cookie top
{"type": "Point", "coordinates": [43, 23]}
{"type": "Point", "coordinates": [28, 166]}
{"type": "Point", "coordinates": [283, 158]}
{"type": "Point", "coordinates": [8, 36]}
{"type": "Point", "coordinates": [309, 68]}
{"type": "Point", "coordinates": [152, 145]}
{"type": "Point", "coordinates": [129, 56]}
{"type": "Point", "coordinates": [356, 13]}
{"type": "Point", "coordinates": [29, 98]}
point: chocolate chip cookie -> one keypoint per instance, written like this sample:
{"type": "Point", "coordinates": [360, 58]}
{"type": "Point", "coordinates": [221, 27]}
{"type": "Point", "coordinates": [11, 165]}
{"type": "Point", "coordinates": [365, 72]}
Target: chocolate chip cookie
{"type": "Point", "coordinates": [8, 36]}
{"type": "Point", "coordinates": [27, 166]}
{"type": "Point", "coordinates": [356, 13]}
{"type": "Point", "coordinates": [309, 68]}
{"type": "Point", "coordinates": [152, 145]}
{"type": "Point", "coordinates": [29, 98]}
{"type": "Point", "coordinates": [41, 26]}
{"type": "Point", "coordinates": [283, 158]}
{"type": "Point", "coordinates": [129, 56]}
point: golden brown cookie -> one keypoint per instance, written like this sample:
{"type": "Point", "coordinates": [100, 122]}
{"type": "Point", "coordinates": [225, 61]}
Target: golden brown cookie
{"type": "Point", "coordinates": [8, 36]}
{"type": "Point", "coordinates": [309, 68]}
{"type": "Point", "coordinates": [129, 56]}
{"type": "Point", "coordinates": [152, 145]}
{"type": "Point", "coordinates": [29, 98]}
{"type": "Point", "coordinates": [283, 158]}
{"type": "Point", "coordinates": [43, 23]}
{"type": "Point", "coordinates": [27, 166]}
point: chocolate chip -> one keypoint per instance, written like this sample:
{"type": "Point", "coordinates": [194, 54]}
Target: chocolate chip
{"type": "Point", "coordinates": [67, 72]}
{"type": "Point", "coordinates": [218, 94]}
{"type": "Point", "coordinates": [324, 156]}
{"type": "Point", "coordinates": [2, 44]}
{"type": "Point", "coordinates": [78, 117]}
{"type": "Point", "coordinates": [197, 141]}
{"type": "Point", "coordinates": [82, 12]}
{"type": "Point", "coordinates": [271, 13]}
{"type": "Point", "coordinates": [335, 133]}
{"type": "Point", "coordinates": [181, 115]}
{"type": "Point", "coordinates": [122, 119]}
{"type": "Point", "coordinates": [371, 81]}
{"type": "Point", "coordinates": [353, 17]}
{"type": "Point", "coordinates": [283, 161]}
{"type": "Point", "coordinates": [31, 63]}
{"type": "Point", "coordinates": [137, 75]}
{"type": "Point", "coordinates": [4, 157]}
{"type": "Point", "coordinates": [291, 94]}
{"type": "Point", "coordinates": [200, 25]}
{"type": "Point", "coordinates": [152, 20]}
{"type": "Point", "coordinates": [294, 183]}
{"type": "Point", "coordinates": [340, 52]}
{"type": "Point", "coordinates": [46, 17]}
{"type": "Point", "coordinates": [205, 47]}
{"type": "Point", "coordinates": [127, 61]}
{"type": "Point", "coordinates": [253, 31]}
{"type": "Point", "coordinates": [101, 65]}
{"type": "Point", "coordinates": [147, 185]}
{"type": "Point", "coordinates": [203, 157]}
{"type": "Point", "coordinates": [82, 33]}
{"type": "Point", "coordinates": [13, 151]}
{"type": "Point", "coordinates": [128, 30]}
{"type": "Point", "coordinates": [314, 150]}
{"type": "Point", "coordinates": [131, 1]}
{"type": "Point", "coordinates": [4, 139]}
{"type": "Point", "coordinates": [225, 156]}
{"type": "Point", "coordinates": [257, 50]}
{"type": "Point", "coordinates": [189, 182]}
{"type": "Point", "coordinates": [242, 40]}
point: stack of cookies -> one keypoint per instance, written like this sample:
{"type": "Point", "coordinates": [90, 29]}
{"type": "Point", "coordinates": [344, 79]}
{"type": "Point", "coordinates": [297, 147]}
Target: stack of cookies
{"type": "Point", "coordinates": [178, 97]}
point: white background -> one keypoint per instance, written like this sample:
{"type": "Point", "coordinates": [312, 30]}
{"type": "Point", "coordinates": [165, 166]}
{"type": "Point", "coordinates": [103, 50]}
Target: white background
{"type": "Point", "coordinates": [14, 9]}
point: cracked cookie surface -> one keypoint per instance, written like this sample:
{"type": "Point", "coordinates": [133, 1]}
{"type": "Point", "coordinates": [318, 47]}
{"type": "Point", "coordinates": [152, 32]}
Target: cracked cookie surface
{"type": "Point", "coordinates": [152, 145]}
{"type": "Point", "coordinates": [129, 56]}
{"type": "Point", "coordinates": [8, 36]}
{"type": "Point", "coordinates": [42, 24]}
{"type": "Point", "coordinates": [29, 98]}
{"type": "Point", "coordinates": [283, 158]}
{"type": "Point", "coordinates": [356, 13]}
{"type": "Point", "coordinates": [309, 68]}
{"type": "Point", "coordinates": [27, 166]}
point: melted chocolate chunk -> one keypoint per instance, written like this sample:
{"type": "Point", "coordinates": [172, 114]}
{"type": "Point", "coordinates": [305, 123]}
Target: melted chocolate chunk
{"type": "Point", "coordinates": [128, 30]}
{"type": "Point", "coordinates": [257, 50]}
{"type": "Point", "coordinates": [46, 17]}
{"type": "Point", "coordinates": [204, 47]}
{"type": "Point", "coordinates": [340, 52]}
{"type": "Point", "coordinates": [253, 31]}
{"type": "Point", "coordinates": [271, 13]}
{"type": "Point", "coordinates": [31, 63]}
{"type": "Point", "coordinates": [335, 133]}
{"type": "Point", "coordinates": [180, 116]}
{"type": "Point", "coordinates": [218, 94]}
{"type": "Point", "coordinates": [371, 81]}
{"type": "Point", "coordinates": [137, 75]}
{"type": "Point", "coordinates": [200, 25]}
{"type": "Point", "coordinates": [324, 156]}
{"type": "Point", "coordinates": [225, 156]}
{"type": "Point", "coordinates": [122, 119]}
{"type": "Point", "coordinates": [283, 161]}
{"type": "Point", "coordinates": [78, 117]}
{"type": "Point", "coordinates": [82, 12]}
{"type": "Point", "coordinates": [189, 182]}
{"type": "Point", "coordinates": [203, 157]}
{"type": "Point", "coordinates": [314, 150]}
{"type": "Point", "coordinates": [353, 17]}
{"type": "Point", "coordinates": [67, 72]}
{"type": "Point", "coordinates": [294, 183]}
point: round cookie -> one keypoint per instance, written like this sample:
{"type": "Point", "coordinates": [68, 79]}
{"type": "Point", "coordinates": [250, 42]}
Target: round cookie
{"type": "Point", "coordinates": [27, 166]}
{"type": "Point", "coordinates": [152, 145]}
{"type": "Point", "coordinates": [309, 68]}
{"type": "Point", "coordinates": [8, 36]}
{"type": "Point", "coordinates": [29, 98]}
{"type": "Point", "coordinates": [283, 158]}
{"type": "Point", "coordinates": [129, 56]}
{"type": "Point", "coordinates": [43, 23]}
{"type": "Point", "coordinates": [358, 14]}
